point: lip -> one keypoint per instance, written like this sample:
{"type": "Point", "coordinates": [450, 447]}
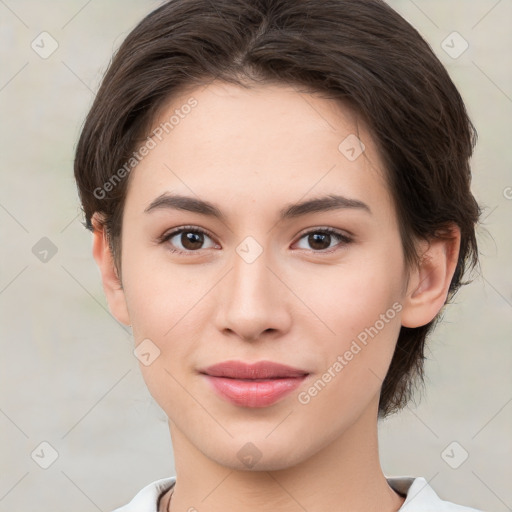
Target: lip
{"type": "Point", "coordinates": [258, 384]}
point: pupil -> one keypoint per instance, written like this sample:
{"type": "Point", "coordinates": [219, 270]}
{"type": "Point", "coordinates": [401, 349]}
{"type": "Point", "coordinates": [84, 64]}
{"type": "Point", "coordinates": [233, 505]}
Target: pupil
{"type": "Point", "coordinates": [191, 240]}
{"type": "Point", "coordinates": [316, 238]}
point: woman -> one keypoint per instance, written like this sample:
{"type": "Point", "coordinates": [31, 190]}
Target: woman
{"type": "Point", "coordinates": [279, 194]}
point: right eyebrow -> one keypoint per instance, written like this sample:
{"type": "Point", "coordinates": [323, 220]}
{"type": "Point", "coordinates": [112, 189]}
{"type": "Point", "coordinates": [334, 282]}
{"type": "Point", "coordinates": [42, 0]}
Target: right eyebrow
{"type": "Point", "coordinates": [186, 203]}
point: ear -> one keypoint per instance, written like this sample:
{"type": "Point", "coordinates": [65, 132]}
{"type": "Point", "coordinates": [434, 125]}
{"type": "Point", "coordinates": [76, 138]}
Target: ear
{"type": "Point", "coordinates": [429, 283]}
{"type": "Point", "coordinates": [111, 283]}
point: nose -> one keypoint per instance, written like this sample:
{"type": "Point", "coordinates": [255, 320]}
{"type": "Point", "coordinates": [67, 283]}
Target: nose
{"type": "Point", "coordinates": [253, 300]}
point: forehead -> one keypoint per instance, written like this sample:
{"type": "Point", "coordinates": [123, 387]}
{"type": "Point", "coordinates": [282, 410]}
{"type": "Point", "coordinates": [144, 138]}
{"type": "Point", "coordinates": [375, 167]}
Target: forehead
{"type": "Point", "coordinates": [262, 146]}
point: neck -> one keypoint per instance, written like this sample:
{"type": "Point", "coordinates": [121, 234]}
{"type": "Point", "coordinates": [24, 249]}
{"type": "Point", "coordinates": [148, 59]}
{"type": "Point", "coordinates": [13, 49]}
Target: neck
{"type": "Point", "coordinates": [344, 475]}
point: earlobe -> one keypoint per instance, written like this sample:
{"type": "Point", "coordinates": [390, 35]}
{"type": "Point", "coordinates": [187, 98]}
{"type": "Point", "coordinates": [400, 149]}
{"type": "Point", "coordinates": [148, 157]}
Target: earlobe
{"type": "Point", "coordinates": [111, 283]}
{"type": "Point", "coordinates": [430, 282]}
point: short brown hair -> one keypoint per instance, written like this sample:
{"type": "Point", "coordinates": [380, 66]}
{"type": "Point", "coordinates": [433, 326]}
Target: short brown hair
{"type": "Point", "coordinates": [358, 51]}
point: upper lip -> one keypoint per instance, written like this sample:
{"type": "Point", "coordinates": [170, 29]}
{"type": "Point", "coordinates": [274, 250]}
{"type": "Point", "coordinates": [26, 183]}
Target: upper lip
{"type": "Point", "coordinates": [259, 370]}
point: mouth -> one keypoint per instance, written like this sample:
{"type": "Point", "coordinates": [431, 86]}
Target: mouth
{"type": "Point", "coordinates": [253, 385]}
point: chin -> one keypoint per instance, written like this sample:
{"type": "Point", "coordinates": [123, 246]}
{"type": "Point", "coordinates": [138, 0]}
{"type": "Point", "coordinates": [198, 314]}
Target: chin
{"type": "Point", "coordinates": [260, 455]}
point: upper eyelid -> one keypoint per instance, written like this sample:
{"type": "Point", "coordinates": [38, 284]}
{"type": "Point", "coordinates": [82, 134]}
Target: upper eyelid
{"type": "Point", "coordinates": [175, 231]}
{"type": "Point", "coordinates": [334, 231]}
{"type": "Point", "coordinates": [340, 232]}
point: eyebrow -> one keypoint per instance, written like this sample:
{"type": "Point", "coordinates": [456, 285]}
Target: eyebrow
{"type": "Point", "coordinates": [291, 211]}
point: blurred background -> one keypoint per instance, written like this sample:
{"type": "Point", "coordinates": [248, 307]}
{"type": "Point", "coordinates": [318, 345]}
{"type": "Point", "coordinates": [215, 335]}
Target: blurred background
{"type": "Point", "coordinates": [77, 424]}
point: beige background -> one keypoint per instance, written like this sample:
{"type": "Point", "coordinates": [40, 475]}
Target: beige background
{"type": "Point", "coordinates": [68, 376]}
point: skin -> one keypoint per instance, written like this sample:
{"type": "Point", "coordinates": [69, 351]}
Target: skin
{"type": "Point", "coordinates": [251, 152]}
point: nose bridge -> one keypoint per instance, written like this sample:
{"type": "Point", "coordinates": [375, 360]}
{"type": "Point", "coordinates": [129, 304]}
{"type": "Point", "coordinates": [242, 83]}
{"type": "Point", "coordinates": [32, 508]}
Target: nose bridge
{"type": "Point", "coordinates": [250, 272]}
{"type": "Point", "coordinates": [253, 296]}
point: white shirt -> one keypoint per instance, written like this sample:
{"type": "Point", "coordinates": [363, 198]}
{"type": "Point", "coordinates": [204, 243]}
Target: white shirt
{"type": "Point", "coordinates": [420, 496]}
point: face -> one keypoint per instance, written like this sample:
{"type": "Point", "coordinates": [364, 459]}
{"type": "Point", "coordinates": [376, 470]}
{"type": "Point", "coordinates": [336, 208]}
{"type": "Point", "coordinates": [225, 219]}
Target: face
{"type": "Point", "coordinates": [319, 290]}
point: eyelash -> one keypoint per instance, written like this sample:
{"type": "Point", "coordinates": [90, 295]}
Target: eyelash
{"type": "Point", "coordinates": [344, 239]}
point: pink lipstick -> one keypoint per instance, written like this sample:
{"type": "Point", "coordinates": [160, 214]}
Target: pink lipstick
{"type": "Point", "coordinates": [259, 384]}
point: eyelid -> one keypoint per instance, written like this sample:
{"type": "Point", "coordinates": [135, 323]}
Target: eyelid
{"type": "Point", "coordinates": [322, 229]}
{"type": "Point", "coordinates": [344, 237]}
{"type": "Point", "coordinates": [174, 231]}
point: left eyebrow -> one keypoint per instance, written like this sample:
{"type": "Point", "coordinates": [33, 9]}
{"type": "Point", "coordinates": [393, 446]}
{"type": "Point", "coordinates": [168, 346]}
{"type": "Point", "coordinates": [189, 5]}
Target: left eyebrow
{"type": "Point", "coordinates": [322, 204]}
{"type": "Point", "coordinates": [294, 210]}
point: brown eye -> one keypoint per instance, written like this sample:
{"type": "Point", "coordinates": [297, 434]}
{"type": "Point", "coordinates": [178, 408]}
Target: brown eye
{"type": "Point", "coordinates": [191, 240]}
{"type": "Point", "coordinates": [186, 239]}
{"type": "Point", "coordinates": [319, 240]}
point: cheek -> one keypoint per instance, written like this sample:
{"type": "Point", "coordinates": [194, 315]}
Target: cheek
{"type": "Point", "coordinates": [352, 296]}
{"type": "Point", "coordinates": [161, 296]}
{"type": "Point", "coordinates": [355, 359]}
{"type": "Point", "coordinates": [358, 308]}
{"type": "Point", "coordinates": [168, 305]}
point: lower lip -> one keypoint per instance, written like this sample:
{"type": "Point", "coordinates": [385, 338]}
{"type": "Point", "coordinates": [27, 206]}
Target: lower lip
{"type": "Point", "coordinates": [254, 393]}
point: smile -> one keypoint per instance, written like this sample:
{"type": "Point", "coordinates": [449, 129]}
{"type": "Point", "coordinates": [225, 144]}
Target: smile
{"type": "Point", "coordinates": [253, 385]}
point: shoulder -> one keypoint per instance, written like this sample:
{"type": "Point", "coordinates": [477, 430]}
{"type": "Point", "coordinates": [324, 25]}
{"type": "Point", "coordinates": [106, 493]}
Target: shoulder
{"type": "Point", "coordinates": [420, 497]}
{"type": "Point", "coordinates": [146, 500]}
